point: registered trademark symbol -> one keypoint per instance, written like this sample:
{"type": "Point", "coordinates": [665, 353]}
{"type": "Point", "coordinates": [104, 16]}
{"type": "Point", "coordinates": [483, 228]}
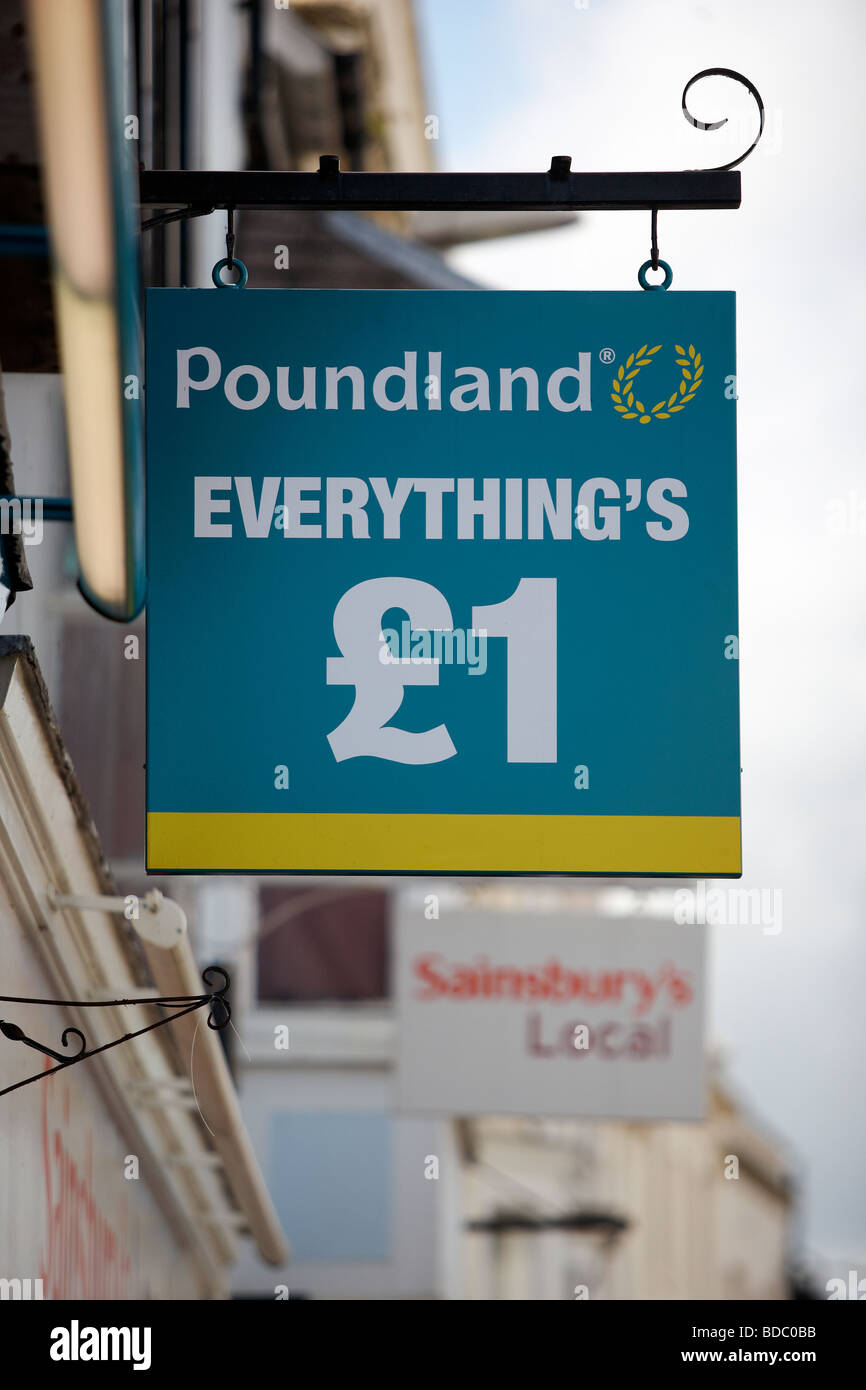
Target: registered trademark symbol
{"type": "Point", "coordinates": [607, 355]}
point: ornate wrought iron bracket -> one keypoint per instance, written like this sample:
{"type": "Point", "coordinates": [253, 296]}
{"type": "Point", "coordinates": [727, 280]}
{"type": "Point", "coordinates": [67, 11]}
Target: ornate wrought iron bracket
{"type": "Point", "coordinates": [215, 1000]}
{"type": "Point", "coordinates": [183, 193]}
{"type": "Point", "coordinates": [16, 1034]}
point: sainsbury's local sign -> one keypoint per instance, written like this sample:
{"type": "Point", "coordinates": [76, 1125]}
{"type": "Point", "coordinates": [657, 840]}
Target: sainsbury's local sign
{"type": "Point", "coordinates": [512, 1013]}
{"type": "Point", "coordinates": [442, 582]}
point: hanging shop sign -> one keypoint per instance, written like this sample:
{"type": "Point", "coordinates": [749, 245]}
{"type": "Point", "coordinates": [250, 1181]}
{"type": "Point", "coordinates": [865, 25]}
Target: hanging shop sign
{"type": "Point", "coordinates": [506, 1013]}
{"type": "Point", "coordinates": [442, 582]}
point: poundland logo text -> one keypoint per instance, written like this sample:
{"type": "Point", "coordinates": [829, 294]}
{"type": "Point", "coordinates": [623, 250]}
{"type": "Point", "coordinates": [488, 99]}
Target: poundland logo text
{"type": "Point", "coordinates": [393, 388]}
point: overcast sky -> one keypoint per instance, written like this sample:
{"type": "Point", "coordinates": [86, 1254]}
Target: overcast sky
{"type": "Point", "coordinates": [516, 81]}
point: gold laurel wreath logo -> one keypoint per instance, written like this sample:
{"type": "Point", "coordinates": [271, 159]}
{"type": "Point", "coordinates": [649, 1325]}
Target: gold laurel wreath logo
{"type": "Point", "coordinates": [625, 382]}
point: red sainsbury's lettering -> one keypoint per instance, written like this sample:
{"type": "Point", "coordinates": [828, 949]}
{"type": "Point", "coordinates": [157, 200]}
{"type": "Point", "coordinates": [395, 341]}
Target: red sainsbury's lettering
{"type": "Point", "coordinates": [484, 979]}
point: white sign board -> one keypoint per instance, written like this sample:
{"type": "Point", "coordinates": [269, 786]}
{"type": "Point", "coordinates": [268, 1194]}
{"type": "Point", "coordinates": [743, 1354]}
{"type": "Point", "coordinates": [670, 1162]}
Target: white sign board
{"type": "Point", "coordinates": [505, 1013]}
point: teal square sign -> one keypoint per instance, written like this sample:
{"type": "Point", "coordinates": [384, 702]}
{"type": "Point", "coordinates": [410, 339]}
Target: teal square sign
{"type": "Point", "coordinates": [442, 582]}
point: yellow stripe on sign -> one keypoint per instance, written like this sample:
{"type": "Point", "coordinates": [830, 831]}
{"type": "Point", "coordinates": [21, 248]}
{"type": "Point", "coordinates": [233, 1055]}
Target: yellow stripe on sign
{"type": "Point", "coordinates": [263, 842]}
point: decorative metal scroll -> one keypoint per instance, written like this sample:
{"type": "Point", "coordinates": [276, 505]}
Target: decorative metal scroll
{"type": "Point", "coordinates": [717, 125]}
{"type": "Point", "coordinates": [185, 193]}
{"type": "Point", "coordinates": [219, 1016]}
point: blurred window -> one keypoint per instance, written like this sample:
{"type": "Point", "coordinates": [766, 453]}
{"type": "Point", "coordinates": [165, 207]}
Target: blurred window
{"type": "Point", "coordinates": [319, 943]}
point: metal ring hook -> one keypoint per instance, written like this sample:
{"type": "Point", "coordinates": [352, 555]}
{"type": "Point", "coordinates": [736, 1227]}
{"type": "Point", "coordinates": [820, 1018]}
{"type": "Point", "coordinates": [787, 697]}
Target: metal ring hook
{"type": "Point", "coordinates": [216, 275]}
{"type": "Point", "coordinates": [717, 125]}
{"type": "Point", "coordinates": [664, 284]}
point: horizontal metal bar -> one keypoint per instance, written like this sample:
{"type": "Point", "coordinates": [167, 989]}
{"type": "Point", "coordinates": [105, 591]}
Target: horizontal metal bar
{"type": "Point", "coordinates": [558, 189]}
{"type": "Point", "coordinates": [23, 240]}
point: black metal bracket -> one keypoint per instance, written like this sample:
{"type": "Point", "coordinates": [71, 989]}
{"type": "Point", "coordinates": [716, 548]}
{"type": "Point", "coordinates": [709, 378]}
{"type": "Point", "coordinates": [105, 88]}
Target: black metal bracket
{"type": "Point", "coordinates": [195, 192]}
{"type": "Point", "coordinates": [16, 1034]}
{"type": "Point", "coordinates": [183, 193]}
{"type": "Point", "coordinates": [219, 1016]}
